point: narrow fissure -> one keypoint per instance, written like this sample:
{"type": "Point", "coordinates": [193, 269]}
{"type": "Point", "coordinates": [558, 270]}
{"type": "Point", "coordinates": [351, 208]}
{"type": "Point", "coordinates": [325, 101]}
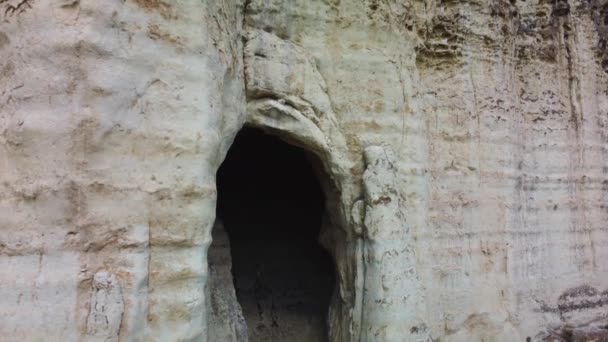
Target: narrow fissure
{"type": "Point", "coordinates": [271, 205]}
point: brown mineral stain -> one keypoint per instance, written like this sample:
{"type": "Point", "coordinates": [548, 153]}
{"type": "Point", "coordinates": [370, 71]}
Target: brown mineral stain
{"type": "Point", "coordinates": [155, 33]}
{"type": "Point", "coordinates": [4, 40]}
{"type": "Point", "coordinates": [162, 7]}
{"type": "Point", "coordinates": [100, 92]}
{"type": "Point", "coordinates": [178, 313]}
{"type": "Point", "coordinates": [7, 70]}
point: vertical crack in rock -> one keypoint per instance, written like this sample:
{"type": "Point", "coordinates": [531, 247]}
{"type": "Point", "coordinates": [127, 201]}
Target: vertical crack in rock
{"type": "Point", "coordinates": [244, 40]}
{"type": "Point", "coordinates": [568, 35]}
{"type": "Point", "coordinates": [106, 308]}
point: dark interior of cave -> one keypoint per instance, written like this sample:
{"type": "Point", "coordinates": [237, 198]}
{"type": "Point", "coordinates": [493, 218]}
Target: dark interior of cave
{"type": "Point", "coordinates": [271, 204]}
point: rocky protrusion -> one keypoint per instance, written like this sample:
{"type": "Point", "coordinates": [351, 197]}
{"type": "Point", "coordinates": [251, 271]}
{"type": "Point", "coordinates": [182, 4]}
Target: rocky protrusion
{"type": "Point", "coordinates": [582, 304]}
{"type": "Point", "coordinates": [391, 287]}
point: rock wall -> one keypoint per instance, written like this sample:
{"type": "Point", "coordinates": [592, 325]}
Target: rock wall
{"type": "Point", "coordinates": [114, 116]}
{"type": "Point", "coordinates": [464, 143]}
{"type": "Point", "coordinates": [225, 321]}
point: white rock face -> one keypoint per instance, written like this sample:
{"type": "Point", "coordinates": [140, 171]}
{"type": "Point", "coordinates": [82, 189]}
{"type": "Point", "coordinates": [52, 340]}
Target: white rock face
{"type": "Point", "coordinates": [464, 145]}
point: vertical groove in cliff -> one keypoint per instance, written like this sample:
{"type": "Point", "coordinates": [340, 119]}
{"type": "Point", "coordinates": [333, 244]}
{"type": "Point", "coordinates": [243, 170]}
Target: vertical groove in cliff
{"type": "Point", "coordinates": [244, 39]}
{"type": "Point", "coordinates": [569, 36]}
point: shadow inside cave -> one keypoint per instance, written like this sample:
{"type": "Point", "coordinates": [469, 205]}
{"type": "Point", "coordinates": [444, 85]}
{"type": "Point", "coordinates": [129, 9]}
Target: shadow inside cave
{"type": "Point", "coordinates": [271, 204]}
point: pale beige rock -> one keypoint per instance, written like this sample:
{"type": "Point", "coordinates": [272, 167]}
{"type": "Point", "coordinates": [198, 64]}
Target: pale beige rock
{"type": "Point", "coordinates": [114, 116]}
{"type": "Point", "coordinates": [490, 115]}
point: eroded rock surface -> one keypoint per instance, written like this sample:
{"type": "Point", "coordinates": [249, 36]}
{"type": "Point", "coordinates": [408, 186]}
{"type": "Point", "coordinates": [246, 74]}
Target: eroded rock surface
{"type": "Point", "coordinates": [115, 116]}
{"type": "Point", "coordinates": [225, 321]}
{"type": "Point", "coordinates": [107, 308]}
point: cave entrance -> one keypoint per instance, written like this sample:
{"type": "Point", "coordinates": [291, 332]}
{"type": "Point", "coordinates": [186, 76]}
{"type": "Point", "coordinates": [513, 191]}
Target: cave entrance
{"type": "Point", "coordinates": [271, 204]}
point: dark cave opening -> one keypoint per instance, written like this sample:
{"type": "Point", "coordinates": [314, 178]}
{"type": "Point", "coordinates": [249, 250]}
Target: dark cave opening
{"type": "Point", "coordinates": [271, 204]}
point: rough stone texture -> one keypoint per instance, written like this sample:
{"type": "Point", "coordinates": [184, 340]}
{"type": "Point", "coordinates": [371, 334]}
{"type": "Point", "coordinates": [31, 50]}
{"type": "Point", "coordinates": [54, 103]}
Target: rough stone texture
{"type": "Point", "coordinates": [225, 321]}
{"type": "Point", "coordinates": [392, 305]}
{"type": "Point", "coordinates": [115, 115]}
{"type": "Point", "coordinates": [106, 308]}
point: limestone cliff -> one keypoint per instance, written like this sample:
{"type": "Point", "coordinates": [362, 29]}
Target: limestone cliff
{"type": "Point", "coordinates": [464, 145]}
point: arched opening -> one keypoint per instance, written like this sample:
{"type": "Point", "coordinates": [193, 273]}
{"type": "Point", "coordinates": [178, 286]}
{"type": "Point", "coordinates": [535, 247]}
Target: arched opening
{"type": "Point", "coordinates": [272, 205]}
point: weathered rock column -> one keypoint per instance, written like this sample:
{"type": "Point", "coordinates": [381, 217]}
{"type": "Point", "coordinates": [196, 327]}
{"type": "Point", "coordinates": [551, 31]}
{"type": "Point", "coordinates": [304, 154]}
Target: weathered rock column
{"type": "Point", "coordinates": [391, 288]}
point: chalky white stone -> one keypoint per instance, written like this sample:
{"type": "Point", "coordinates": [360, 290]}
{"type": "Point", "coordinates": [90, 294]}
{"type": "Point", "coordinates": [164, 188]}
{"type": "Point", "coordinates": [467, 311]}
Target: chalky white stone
{"type": "Point", "coordinates": [464, 144]}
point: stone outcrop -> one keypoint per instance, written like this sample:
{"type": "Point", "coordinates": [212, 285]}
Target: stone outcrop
{"type": "Point", "coordinates": [462, 149]}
